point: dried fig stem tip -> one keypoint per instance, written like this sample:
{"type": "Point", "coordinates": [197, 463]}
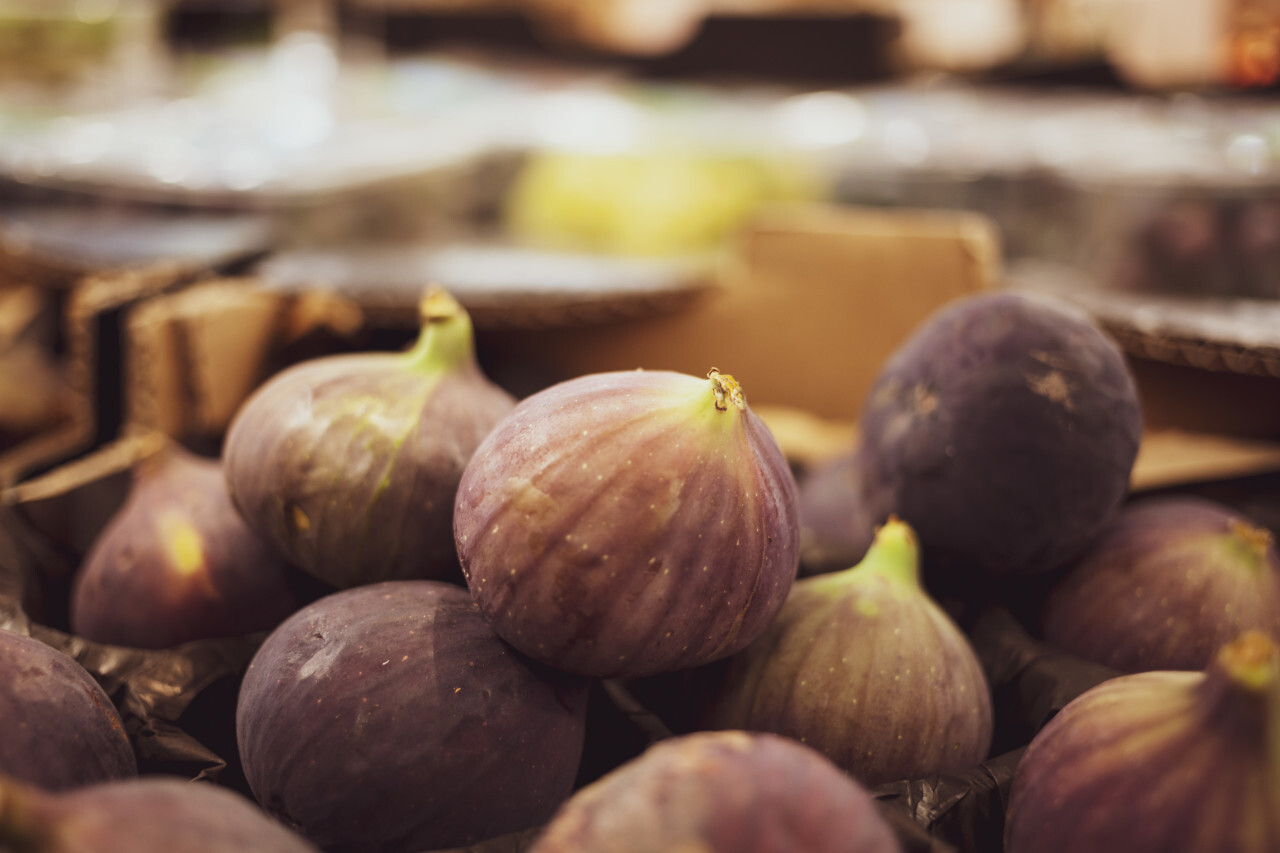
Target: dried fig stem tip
{"type": "Point", "coordinates": [727, 391]}
{"type": "Point", "coordinates": [437, 305]}
{"type": "Point", "coordinates": [446, 340]}
{"type": "Point", "coordinates": [1251, 660]}
{"type": "Point", "coordinates": [1256, 539]}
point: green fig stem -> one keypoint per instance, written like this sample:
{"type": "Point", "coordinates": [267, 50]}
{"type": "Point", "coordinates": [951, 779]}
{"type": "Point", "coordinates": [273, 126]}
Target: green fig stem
{"type": "Point", "coordinates": [447, 339]}
{"type": "Point", "coordinates": [894, 553]}
{"type": "Point", "coordinates": [1241, 690]}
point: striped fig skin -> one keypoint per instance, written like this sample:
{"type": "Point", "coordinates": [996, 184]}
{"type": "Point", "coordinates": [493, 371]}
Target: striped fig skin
{"type": "Point", "coordinates": [628, 523]}
{"type": "Point", "coordinates": [721, 792]}
{"type": "Point", "coordinates": [1159, 762]}
{"type": "Point", "coordinates": [1167, 584]}
{"type": "Point", "coordinates": [864, 667]}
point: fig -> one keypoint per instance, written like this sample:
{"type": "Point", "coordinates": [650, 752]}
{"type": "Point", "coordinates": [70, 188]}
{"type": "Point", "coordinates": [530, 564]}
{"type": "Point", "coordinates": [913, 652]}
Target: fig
{"type": "Point", "coordinates": [721, 792]}
{"type": "Point", "coordinates": [177, 563]}
{"type": "Point", "coordinates": [1004, 430]}
{"type": "Point", "coordinates": [1167, 583]}
{"type": "Point", "coordinates": [835, 529]}
{"type": "Point", "coordinates": [389, 717]}
{"type": "Point", "coordinates": [60, 729]}
{"type": "Point", "coordinates": [629, 523]}
{"type": "Point", "coordinates": [863, 666]}
{"type": "Point", "coordinates": [1166, 761]}
{"type": "Point", "coordinates": [158, 814]}
{"type": "Point", "coordinates": [348, 464]}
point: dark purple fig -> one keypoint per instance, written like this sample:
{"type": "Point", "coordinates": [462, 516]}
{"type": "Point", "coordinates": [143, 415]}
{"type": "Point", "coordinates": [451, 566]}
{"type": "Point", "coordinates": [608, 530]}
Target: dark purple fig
{"type": "Point", "coordinates": [835, 528]}
{"type": "Point", "coordinates": [1004, 431]}
{"type": "Point", "coordinates": [1165, 586]}
{"type": "Point", "coordinates": [721, 792]}
{"type": "Point", "coordinates": [59, 729]}
{"type": "Point", "coordinates": [629, 523]}
{"type": "Point", "coordinates": [348, 464]}
{"type": "Point", "coordinates": [177, 563]}
{"type": "Point", "coordinates": [390, 718]}
{"type": "Point", "coordinates": [153, 815]}
{"type": "Point", "coordinates": [864, 667]}
{"type": "Point", "coordinates": [1159, 762]}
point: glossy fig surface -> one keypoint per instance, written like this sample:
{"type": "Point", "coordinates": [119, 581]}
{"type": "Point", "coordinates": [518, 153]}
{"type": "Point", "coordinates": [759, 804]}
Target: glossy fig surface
{"type": "Point", "coordinates": [156, 814]}
{"type": "Point", "coordinates": [59, 729]}
{"type": "Point", "coordinates": [390, 718]}
{"type": "Point", "coordinates": [721, 792]}
{"type": "Point", "coordinates": [863, 666]}
{"type": "Point", "coordinates": [178, 563]}
{"type": "Point", "coordinates": [1004, 430]}
{"type": "Point", "coordinates": [629, 523]}
{"type": "Point", "coordinates": [1169, 761]}
{"type": "Point", "coordinates": [1165, 586]}
{"type": "Point", "coordinates": [349, 464]}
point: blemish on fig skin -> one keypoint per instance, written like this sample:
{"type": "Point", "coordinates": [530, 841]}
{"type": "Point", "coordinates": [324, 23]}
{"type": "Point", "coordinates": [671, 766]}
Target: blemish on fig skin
{"type": "Point", "coordinates": [1054, 387]}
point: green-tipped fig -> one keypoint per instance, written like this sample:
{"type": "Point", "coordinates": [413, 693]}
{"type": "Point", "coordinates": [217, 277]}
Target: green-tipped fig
{"type": "Point", "coordinates": [864, 667]}
{"type": "Point", "coordinates": [349, 464]}
{"type": "Point", "coordinates": [58, 729]}
{"type": "Point", "coordinates": [389, 718]}
{"type": "Point", "coordinates": [629, 523]}
{"type": "Point", "coordinates": [152, 815]}
{"type": "Point", "coordinates": [1159, 762]}
{"type": "Point", "coordinates": [721, 792]}
{"type": "Point", "coordinates": [1167, 584]}
{"type": "Point", "coordinates": [178, 563]}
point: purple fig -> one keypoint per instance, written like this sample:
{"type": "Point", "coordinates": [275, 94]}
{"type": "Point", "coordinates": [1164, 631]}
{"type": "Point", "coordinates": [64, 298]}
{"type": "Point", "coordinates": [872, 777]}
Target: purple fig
{"type": "Point", "coordinates": [721, 792]}
{"type": "Point", "coordinates": [1004, 431]}
{"type": "Point", "coordinates": [153, 815]}
{"type": "Point", "coordinates": [864, 667]}
{"type": "Point", "coordinates": [835, 528]}
{"type": "Point", "coordinates": [1159, 762]}
{"type": "Point", "coordinates": [348, 464]}
{"type": "Point", "coordinates": [629, 523]}
{"type": "Point", "coordinates": [60, 729]}
{"type": "Point", "coordinates": [1167, 584]}
{"type": "Point", "coordinates": [177, 563]}
{"type": "Point", "coordinates": [390, 718]}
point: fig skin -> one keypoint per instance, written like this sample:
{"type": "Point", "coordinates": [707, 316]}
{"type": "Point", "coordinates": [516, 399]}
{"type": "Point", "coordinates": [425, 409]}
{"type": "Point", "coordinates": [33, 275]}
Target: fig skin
{"type": "Point", "coordinates": [177, 563]}
{"type": "Point", "coordinates": [60, 729]}
{"type": "Point", "coordinates": [864, 667]}
{"type": "Point", "coordinates": [1168, 583]}
{"type": "Point", "coordinates": [156, 814]}
{"type": "Point", "coordinates": [721, 792]}
{"type": "Point", "coordinates": [835, 527]}
{"type": "Point", "coordinates": [348, 464]}
{"type": "Point", "coordinates": [1166, 761]}
{"type": "Point", "coordinates": [629, 523]}
{"type": "Point", "coordinates": [390, 718]}
{"type": "Point", "coordinates": [1004, 430]}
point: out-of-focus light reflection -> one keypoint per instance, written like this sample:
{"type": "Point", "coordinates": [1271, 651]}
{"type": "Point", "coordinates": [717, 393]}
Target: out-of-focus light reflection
{"type": "Point", "coordinates": [94, 11]}
{"type": "Point", "coordinates": [85, 142]}
{"type": "Point", "coordinates": [170, 160]}
{"type": "Point", "coordinates": [303, 60]}
{"type": "Point", "coordinates": [244, 169]}
{"type": "Point", "coordinates": [1248, 153]}
{"type": "Point", "coordinates": [591, 122]}
{"type": "Point", "coordinates": [906, 142]}
{"type": "Point", "coordinates": [821, 120]}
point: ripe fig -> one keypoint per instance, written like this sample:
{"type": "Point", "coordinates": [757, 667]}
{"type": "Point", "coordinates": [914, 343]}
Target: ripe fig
{"type": "Point", "coordinates": [1004, 430]}
{"type": "Point", "coordinates": [1165, 586]}
{"type": "Point", "coordinates": [629, 523]}
{"type": "Point", "coordinates": [60, 729]}
{"type": "Point", "coordinates": [835, 528]}
{"type": "Point", "coordinates": [177, 563]}
{"type": "Point", "coordinates": [153, 815]}
{"type": "Point", "coordinates": [348, 464]}
{"type": "Point", "coordinates": [721, 792]}
{"type": "Point", "coordinates": [390, 718]}
{"type": "Point", "coordinates": [864, 667]}
{"type": "Point", "coordinates": [1167, 761]}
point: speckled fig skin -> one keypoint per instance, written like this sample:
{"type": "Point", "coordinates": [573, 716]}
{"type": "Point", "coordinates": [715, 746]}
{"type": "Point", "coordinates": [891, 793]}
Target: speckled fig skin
{"type": "Point", "coordinates": [1004, 430]}
{"type": "Point", "coordinates": [629, 523]}
{"type": "Point", "coordinates": [721, 792]}
{"type": "Point", "coordinates": [390, 718]}
{"type": "Point", "coordinates": [349, 464]}
{"type": "Point", "coordinates": [864, 667]}
{"type": "Point", "coordinates": [1159, 762]}
{"type": "Point", "coordinates": [157, 814]}
{"type": "Point", "coordinates": [1167, 583]}
{"type": "Point", "coordinates": [178, 563]}
{"type": "Point", "coordinates": [835, 527]}
{"type": "Point", "coordinates": [60, 730]}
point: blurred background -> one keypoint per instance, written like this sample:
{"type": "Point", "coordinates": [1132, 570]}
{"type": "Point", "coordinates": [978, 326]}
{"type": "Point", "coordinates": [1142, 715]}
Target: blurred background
{"type": "Point", "coordinates": [560, 164]}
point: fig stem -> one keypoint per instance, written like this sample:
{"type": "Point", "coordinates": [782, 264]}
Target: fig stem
{"type": "Point", "coordinates": [1250, 660]}
{"type": "Point", "coordinates": [727, 391]}
{"type": "Point", "coordinates": [447, 338]}
{"type": "Point", "coordinates": [1256, 540]}
{"type": "Point", "coordinates": [894, 553]}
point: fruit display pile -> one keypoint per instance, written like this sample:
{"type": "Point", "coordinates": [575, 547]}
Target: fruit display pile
{"type": "Point", "coordinates": [405, 611]}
